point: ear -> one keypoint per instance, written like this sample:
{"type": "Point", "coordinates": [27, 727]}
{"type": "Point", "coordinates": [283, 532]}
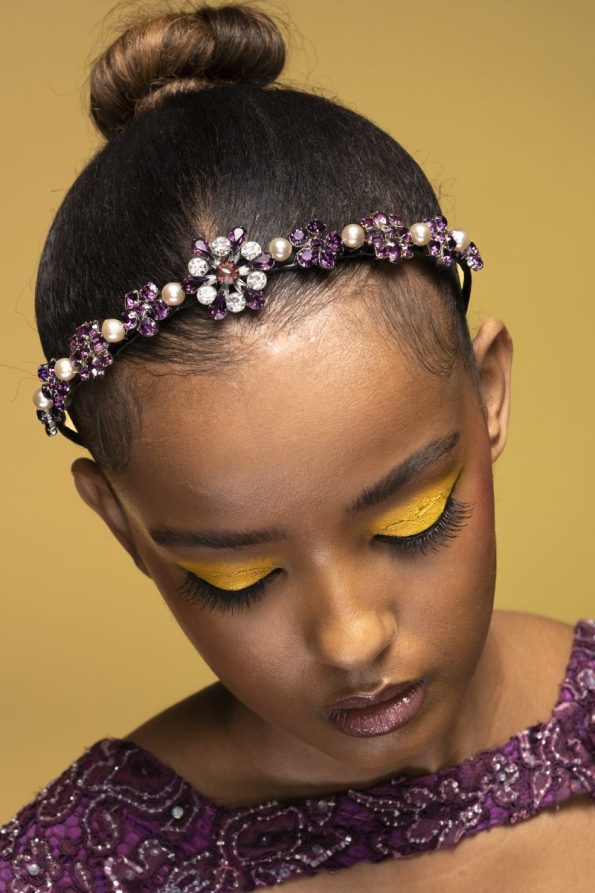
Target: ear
{"type": "Point", "coordinates": [492, 347]}
{"type": "Point", "coordinates": [95, 489]}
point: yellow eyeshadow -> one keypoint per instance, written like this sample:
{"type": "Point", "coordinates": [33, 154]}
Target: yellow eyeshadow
{"type": "Point", "coordinates": [419, 513]}
{"type": "Point", "coordinates": [229, 576]}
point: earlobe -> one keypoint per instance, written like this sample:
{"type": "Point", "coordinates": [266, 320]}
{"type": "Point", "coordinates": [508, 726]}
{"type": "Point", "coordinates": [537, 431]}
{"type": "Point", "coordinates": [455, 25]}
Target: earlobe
{"type": "Point", "coordinates": [96, 491]}
{"type": "Point", "coordinates": [492, 347]}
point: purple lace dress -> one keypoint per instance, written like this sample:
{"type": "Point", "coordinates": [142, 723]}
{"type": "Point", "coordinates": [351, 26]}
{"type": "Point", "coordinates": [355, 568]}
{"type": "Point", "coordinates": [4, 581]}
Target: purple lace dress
{"type": "Point", "coordinates": [118, 819]}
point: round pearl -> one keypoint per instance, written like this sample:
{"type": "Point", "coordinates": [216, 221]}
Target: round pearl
{"type": "Point", "coordinates": [420, 233]}
{"type": "Point", "coordinates": [41, 401]}
{"type": "Point", "coordinates": [173, 294]}
{"type": "Point", "coordinates": [113, 330]}
{"type": "Point", "coordinates": [280, 248]}
{"type": "Point", "coordinates": [64, 369]}
{"type": "Point", "coordinates": [461, 238]}
{"type": "Point", "coordinates": [353, 235]}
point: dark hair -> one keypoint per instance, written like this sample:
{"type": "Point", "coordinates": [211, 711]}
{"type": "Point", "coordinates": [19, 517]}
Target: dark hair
{"type": "Point", "coordinates": [200, 136]}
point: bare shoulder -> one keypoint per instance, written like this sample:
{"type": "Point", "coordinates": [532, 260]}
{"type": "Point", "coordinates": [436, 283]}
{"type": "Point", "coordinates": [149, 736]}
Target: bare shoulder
{"type": "Point", "coordinates": [535, 652]}
{"type": "Point", "coordinates": [535, 643]}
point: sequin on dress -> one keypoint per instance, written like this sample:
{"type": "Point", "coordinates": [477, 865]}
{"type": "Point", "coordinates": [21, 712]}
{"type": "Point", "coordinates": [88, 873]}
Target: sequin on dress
{"type": "Point", "coordinates": [118, 819]}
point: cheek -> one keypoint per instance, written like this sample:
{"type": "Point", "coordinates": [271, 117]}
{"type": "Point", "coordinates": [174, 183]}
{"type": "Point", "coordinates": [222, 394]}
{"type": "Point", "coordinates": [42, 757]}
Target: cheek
{"type": "Point", "coordinates": [455, 601]}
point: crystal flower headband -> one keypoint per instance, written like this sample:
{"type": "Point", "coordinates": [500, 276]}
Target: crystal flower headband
{"type": "Point", "coordinates": [229, 274]}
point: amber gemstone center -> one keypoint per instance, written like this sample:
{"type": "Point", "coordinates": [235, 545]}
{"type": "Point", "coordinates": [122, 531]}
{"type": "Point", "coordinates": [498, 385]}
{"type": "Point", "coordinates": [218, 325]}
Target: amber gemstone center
{"type": "Point", "coordinates": [227, 272]}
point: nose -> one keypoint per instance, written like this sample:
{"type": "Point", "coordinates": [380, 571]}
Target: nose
{"type": "Point", "coordinates": [349, 623]}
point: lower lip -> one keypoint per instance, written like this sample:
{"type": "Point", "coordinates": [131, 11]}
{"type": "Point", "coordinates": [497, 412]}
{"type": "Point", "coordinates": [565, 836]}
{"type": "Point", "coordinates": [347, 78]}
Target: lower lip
{"type": "Point", "coordinates": [379, 719]}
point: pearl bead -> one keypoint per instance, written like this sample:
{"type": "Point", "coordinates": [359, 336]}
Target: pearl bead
{"type": "Point", "coordinates": [420, 233]}
{"type": "Point", "coordinates": [461, 238]}
{"type": "Point", "coordinates": [173, 294]}
{"type": "Point", "coordinates": [41, 401]}
{"type": "Point", "coordinates": [113, 330]}
{"type": "Point", "coordinates": [64, 369]}
{"type": "Point", "coordinates": [279, 248]}
{"type": "Point", "coordinates": [353, 235]}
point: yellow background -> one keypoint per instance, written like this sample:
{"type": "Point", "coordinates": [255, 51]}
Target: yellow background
{"type": "Point", "coordinates": [495, 101]}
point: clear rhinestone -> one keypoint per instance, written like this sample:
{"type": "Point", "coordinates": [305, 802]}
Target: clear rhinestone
{"type": "Point", "coordinates": [235, 302]}
{"type": "Point", "coordinates": [250, 250]}
{"type": "Point", "coordinates": [317, 849]}
{"type": "Point", "coordinates": [284, 871]}
{"type": "Point", "coordinates": [221, 246]}
{"type": "Point", "coordinates": [256, 280]}
{"type": "Point", "coordinates": [177, 812]}
{"type": "Point", "coordinates": [322, 804]}
{"type": "Point", "coordinates": [33, 868]}
{"type": "Point", "coordinates": [197, 266]}
{"type": "Point", "coordinates": [206, 294]}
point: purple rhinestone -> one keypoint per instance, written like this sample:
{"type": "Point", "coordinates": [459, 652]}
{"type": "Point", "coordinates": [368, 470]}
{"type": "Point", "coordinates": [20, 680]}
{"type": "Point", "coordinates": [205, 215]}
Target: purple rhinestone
{"type": "Point", "coordinates": [316, 226]}
{"type": "Point", "coordinates": [218, 309]}
{"type": "Point", "coordinates": [432, 226]}
{"type": "Point", "coordinates": [62, 387]}
{"type": "Point", "coordinates": [441, 221]}
{"type": "Point", "coordinates": [130, 319]}
{"type": "Point", "coordinates": [191, 283]}
{"type": "Point", "coordinates": [237, 236]}
{"type": "Point", "coordinates": [58, 402]}
{"type": "Point", "coordinates": [305, 257]}
{"type": "Point", "coordinates": [201, 249]}
{"type": "Point", "coordinates": [298, 237]}
{"type": "Point", "coordinates": [131, 299]}
{"type": "Point", "coordinates": [160, 309]}
{"type": "Point", "coordinates": [380, 251]}
{"type": "Point", "coordinates": [43, 372]}
{"type": "Point", "coordinates": [379, 218]}
{"type": "Point", "coordinates": [148, 326]}
{"type": "Point", "coordinates": [367, 222]}
{"type": "Point", "coordinates": [395, 220]}
{"type": "Point", "coordinates": [254, 299]}
{"type": "Point", "coordinates": [316, 243]}
{"type": "Point", "coordinates": [264, 261]}
{"type": "Point", "coordinates": [106, 359]}
{"type": "Point", "coordinates": [81, 331]}
{"type": "Point", "coordinates": [333, 240]}
{"type": "Point", "coordinates": [327, 259]}
{"type": "Point", "coordinates": [149, 291]}
{"type": "Point", "coordinates": [394, 254]}
{"type": "Point", "coordinates": [434, 247]}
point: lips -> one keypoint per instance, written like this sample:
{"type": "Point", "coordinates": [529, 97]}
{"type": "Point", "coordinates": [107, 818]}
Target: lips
{"type": "Point", "coordinates": [385, 694]}
{"type": "Point", "coordinates": [387, 711]}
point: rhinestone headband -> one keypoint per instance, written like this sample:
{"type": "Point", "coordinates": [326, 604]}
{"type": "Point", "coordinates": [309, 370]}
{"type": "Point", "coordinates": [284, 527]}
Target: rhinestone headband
{"type": "Point", "coordinates": [228, 275]}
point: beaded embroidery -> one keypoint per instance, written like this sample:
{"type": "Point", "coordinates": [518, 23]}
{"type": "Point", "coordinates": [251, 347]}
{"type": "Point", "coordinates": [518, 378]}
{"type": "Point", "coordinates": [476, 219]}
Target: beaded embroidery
{"type": "Point", "coordinates": [118, 820]}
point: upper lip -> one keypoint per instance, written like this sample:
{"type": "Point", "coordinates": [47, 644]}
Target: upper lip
{"type": "Point", "coordinates": [367, 700]}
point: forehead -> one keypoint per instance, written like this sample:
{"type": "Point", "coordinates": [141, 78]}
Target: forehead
{"type": "Point", "coordinates": [303, 416]}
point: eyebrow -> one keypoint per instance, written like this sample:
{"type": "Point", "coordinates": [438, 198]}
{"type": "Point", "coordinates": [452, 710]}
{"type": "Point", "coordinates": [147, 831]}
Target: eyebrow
{"type": "Point", "coordinates": [396, 478]}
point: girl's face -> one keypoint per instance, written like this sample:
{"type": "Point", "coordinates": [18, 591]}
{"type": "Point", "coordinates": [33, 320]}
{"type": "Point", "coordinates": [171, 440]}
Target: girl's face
{"type": "Point", "coordinates": [319, 519]}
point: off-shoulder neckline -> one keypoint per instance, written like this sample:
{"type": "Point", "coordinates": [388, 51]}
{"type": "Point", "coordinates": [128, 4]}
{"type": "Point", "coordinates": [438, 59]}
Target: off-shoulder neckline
{"type": "Point", "coordinates": [582, 626]}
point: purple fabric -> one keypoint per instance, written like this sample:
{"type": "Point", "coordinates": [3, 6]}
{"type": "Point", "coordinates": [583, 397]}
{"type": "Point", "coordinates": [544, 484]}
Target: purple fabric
{"type": "Point", "coordinates": [118, 819]}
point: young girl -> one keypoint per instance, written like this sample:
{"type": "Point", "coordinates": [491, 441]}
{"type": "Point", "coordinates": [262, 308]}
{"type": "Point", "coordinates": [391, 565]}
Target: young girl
{"type": "Point", "coordinates": [254, 312]}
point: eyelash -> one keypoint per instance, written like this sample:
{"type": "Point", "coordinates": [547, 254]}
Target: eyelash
{"type": "Point", "coordinates": [196, 590]}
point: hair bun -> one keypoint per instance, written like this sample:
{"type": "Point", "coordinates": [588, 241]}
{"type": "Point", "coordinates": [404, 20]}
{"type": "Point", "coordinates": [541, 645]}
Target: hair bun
{"type": "Point", "coordinates": [161, 55]}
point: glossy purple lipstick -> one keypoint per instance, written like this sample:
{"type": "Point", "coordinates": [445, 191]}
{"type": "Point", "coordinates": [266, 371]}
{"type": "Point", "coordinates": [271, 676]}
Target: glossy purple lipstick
{"type": "Point", "coordinates": [366, 717]}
